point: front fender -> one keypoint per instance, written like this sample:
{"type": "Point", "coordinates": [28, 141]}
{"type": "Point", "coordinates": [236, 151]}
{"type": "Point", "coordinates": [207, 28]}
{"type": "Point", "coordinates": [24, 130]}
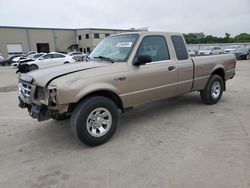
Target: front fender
{"type": "Point", "coordinates": [95, 87]}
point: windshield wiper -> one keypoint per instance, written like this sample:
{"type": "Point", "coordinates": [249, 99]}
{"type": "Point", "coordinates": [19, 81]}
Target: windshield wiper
{"type": "Point", "coordinates": [105, 58]}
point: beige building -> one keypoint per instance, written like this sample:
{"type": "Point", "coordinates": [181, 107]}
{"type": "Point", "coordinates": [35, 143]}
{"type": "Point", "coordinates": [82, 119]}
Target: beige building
{"type": "Point", "coordinates": [20, 40]}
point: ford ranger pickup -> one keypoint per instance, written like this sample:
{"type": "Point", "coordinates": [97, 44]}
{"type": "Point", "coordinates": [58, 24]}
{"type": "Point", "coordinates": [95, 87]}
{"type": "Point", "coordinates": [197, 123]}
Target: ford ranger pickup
{"type": "Point", "coordinates": [124, 71]}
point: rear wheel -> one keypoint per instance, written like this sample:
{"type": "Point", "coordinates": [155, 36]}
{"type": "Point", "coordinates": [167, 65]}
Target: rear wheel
{"type": "Point", "coordinates": [94, 120]}
{"type": "Point", "coordinates": [66, 62]}
{"type": "Point", "coordinates": [213, 90]}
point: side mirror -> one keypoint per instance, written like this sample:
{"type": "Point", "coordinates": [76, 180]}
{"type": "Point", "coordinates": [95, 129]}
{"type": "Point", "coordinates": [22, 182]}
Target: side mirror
{"type": "Point", "coordinates": [142, 60]}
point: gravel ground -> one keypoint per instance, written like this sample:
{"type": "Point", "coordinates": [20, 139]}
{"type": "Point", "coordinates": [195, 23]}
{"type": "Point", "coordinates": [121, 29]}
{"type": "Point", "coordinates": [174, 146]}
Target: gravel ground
{"type": "Point", "coordinates": [176, 143]}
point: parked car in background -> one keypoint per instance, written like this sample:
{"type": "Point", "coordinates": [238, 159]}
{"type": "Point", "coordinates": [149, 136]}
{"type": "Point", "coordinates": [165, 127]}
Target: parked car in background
{"type": "Point", "coordinates": [242, 53]}
{"type": "Point", "coordinates": [1, 57]}
{"type": "Point", "coordinates": [31, 53]}
{"type": "Point", "coordinates": [36, 56]}
{"type": "Point", "coordinates": [191, 52]}
{"type": "Point", "coordinates": [27, 59]}
{"type": "Point", "coordinates": [248, 47]}
{"type": "Point", "coordinates": [213, 50]}
{"type": "Point", "coordinates": [231, 49]}
{"type": "Point", "coordinates": [8, 61]}
{"type": "Point", "coordinates": [17, 60]}
{"type": "Point", "coordinates": [47, 60]}
{"type": "Point", "coordinates": [78, 56]}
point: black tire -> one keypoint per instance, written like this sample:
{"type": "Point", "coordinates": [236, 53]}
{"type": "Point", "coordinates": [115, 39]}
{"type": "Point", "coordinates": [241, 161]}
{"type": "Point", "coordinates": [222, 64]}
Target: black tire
{"type": "Point", "coordinates": [209, 95]}
{"type": "Point", "coordinates": [82, 113]}
{"type": "Point", "coordinates": [66, 62]}
{"type": "Point", "coordinates": [33, 67]}
{"type": "Point", "coordinates": [247, 57]}
{"type": "Point", "coordinates": [6, 64]}
{"type": "Point", "coordinates": [59, 117]}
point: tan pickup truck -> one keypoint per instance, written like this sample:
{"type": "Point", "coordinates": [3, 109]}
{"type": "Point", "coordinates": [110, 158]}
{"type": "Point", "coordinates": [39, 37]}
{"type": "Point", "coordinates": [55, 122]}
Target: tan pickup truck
{"type": "Point", "coordinates": [124, 71]}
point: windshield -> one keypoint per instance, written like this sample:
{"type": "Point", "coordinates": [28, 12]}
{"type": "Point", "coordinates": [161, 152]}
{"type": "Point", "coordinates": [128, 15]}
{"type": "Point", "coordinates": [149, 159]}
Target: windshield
{"type": "Point", "coordinates": [242, 48]}
{"type": "Point", "coordinates": [115, 48]}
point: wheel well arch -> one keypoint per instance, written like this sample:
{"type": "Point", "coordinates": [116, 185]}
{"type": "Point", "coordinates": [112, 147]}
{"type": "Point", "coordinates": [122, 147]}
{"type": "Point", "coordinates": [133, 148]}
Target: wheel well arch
{"type": "Point", "coordinates": [104, 93]}
{"type": "Point", "coordinates": [221, 73]}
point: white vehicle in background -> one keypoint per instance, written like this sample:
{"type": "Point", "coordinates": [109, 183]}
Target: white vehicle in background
{"type": "Point", "coordinates": [78, 56]}
{"type": "Point", "coordinates": [231, 49]}
{"type": "Point", "coordinates": [49, 60]}
{"type": "Point", "coordinates": [22, 60]}
{"type": "Point", "coordinates": [31, 53]}
{"type": "Point", "coordinates": [16, 60]}
{"type": "Point", "coordinates": [213, 50]}
{"type": "Point", "coordinates": [36, 56]}
{"type": "Point", "coordinates": [191, 52]}
{"type": "Point", "coordinates": [1, 57]}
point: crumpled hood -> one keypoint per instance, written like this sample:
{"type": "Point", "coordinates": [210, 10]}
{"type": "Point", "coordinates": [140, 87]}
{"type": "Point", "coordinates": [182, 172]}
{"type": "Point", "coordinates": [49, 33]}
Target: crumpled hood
{"type": "Point", "coordinates": [43, 76]}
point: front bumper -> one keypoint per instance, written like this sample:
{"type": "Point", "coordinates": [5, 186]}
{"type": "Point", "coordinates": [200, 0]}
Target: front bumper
{"type": "Point", "coordinates": [39, 112]}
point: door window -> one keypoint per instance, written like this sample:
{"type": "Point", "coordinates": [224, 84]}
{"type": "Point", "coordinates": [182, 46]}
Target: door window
{"type": "Point", "coordinates": [48, 56]}
{"type": "Point", "coordinates": [154, 46]}
{"type": "Point", "coordinates": [58, 56]}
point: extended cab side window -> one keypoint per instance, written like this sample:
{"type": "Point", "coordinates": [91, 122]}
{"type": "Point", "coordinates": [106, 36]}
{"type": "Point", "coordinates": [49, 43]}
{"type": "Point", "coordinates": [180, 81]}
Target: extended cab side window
{"type": "Point", "coordinates": [180, 47]}
{"type": "Point", "coordinates": [154, 46]}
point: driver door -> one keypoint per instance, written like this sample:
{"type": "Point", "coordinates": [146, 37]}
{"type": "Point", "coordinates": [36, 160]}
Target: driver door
{"type": "Point", "coordinates": [157, 79]}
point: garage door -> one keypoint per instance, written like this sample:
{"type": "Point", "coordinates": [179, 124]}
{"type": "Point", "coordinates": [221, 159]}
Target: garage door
{"type": "Point", "coordinates": [14, 48]}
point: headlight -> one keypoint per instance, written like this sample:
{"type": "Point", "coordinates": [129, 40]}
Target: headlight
{"type": "Point", "coordinates": [52, 92]}
{"type": "Point", "coordinates": [40, 94]}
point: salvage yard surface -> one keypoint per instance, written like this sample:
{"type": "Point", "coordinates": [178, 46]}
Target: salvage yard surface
{"type": "Point", "coordinates": [175, 143]}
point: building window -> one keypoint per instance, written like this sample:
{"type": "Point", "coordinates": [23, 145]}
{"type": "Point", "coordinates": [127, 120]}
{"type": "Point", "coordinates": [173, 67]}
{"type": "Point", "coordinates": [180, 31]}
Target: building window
{"type": "Point", "coordinates": [79, 37]}
{"type": "Point", "coordinates": [80, 49]}
{"type": "Point", "coordinates": [107, 34]}
{"type": "Point", "coordinates": [88, 49]}
{"type": "Point", "coordinates": [84, 50]}
{"type": "Point", "coordinates": [87, 36]}
{"type": "Point", "coordinates": [96, 35]}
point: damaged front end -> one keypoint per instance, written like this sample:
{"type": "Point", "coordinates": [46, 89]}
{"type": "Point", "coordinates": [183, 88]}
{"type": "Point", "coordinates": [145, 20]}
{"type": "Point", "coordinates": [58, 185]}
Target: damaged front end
{"type": "Point", "coordinates": [40, 102]}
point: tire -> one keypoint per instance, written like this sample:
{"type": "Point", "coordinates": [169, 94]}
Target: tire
{"type": "Point", "coordinates": [33, 67]}
{"type": "Point", "coordinates": [213, 90]}
{"type": "Point", "coordinates": [87, 120]}
{"type": "Point", "coordinates": [247, 57]}
{"type": "Point", "coordinates": [66, 62]}
{"type": "Point", "coordinates": [59, 117]}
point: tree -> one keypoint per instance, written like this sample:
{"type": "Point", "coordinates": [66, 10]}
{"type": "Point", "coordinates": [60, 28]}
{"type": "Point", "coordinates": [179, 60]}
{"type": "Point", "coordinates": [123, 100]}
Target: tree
{"type": "Point", "coordinates": [201, 38]}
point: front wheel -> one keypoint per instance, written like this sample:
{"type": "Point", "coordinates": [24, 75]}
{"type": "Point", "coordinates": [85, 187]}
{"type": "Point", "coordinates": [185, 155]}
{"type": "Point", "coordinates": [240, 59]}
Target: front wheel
{"type": "Point", "coordinates": [213, 90]}
{"type": "Point", "coordinates": [94, 120]}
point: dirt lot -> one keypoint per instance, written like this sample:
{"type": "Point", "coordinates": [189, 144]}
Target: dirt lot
{"type": "Point", "coordinates": [178, 143]}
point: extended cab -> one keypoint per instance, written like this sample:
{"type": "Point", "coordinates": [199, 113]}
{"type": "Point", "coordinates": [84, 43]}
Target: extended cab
{"type": "Point", "coordinates": [123, 71]}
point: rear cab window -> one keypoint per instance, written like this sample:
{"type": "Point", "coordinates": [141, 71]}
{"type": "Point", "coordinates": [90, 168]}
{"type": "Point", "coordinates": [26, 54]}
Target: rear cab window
{"type": "Point", "coordinates": [180, 47]}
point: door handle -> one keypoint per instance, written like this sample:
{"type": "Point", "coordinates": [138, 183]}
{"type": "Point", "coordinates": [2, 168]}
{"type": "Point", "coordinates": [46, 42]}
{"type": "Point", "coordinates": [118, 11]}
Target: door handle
{"type": "Point", "coordinates": [171, 68]}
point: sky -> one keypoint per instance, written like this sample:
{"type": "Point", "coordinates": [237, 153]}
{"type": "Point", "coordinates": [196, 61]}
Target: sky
{"type": "Point", "coordinates": [186, 16]}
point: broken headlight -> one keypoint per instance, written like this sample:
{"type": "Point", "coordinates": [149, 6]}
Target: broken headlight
{"type": "Point", "coordinates": [52, 93]}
